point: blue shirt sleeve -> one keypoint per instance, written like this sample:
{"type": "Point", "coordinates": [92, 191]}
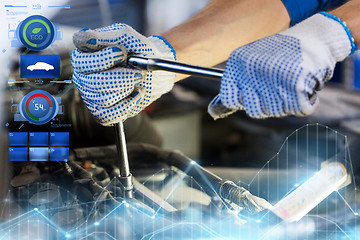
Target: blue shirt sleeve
{"type": "Point", "coordinates": [327, 5]}
{"type": "Point", "coordinates": [301, 9]}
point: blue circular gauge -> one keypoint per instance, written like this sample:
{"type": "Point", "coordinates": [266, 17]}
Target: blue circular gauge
{"type": "Point", "coordinates": [36, 32]}
{"type": "Point", "coordinates": [38, 107]}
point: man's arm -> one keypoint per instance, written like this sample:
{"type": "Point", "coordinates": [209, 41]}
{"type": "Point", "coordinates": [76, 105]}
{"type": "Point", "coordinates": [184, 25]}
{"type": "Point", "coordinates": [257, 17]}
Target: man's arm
{"type": "Point", "coordinates": [281, 74]}
{"type": "Point", "coordinates": [210, 36]}
{"type": "Point", "coordinates": [350, 13]}
{"type": "Point", "coordinates": [206, 39]}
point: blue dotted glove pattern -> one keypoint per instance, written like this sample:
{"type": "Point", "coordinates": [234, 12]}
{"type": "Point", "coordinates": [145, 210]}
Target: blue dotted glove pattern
{"type": "Point", "coordinates": [267, 78]}
{"type": "Point", "coordinates": [112, 91]}
{"type": "Point", "coordinates": [88, 40]}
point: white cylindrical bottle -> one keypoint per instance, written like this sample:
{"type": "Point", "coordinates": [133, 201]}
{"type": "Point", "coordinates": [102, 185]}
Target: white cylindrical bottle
{"type": "Point", "coordinates": [302, 200]}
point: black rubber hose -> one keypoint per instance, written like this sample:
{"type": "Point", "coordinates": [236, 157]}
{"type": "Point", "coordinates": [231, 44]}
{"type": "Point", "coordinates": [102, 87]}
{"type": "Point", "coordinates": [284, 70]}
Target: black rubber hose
{"type": "Point", "coordinates": [210, 183]}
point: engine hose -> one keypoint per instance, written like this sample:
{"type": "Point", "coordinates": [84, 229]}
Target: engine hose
{"type": "Point", "coordinates": [212, 184]}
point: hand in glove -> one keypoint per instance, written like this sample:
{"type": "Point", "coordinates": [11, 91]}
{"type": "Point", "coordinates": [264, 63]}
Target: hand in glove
{"type": "Point", "coordinates": [279, 75]}
{"type": "Point", "coordinates": [113, 92]}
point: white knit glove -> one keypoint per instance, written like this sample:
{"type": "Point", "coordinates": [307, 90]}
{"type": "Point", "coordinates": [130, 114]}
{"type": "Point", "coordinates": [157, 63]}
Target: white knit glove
{"type": "Point", "coordinates": [279, 75]}
{"type": "Point", "coordinates": [114, 93]}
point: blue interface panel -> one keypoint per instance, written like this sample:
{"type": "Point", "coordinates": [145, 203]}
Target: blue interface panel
{"type": "Point", "coordinates": [59, 154]}
{"type": "Point", "coordinates": [39, 139]}
{"type": "Point", "coordinates": [39, 66]}
{"type": "Point", "coordinates": [18, 139]}
{"type": "Point", "coordinates": [39, 154]}
{"type": "Point", "coordinates": [59, 139]}
{"type": "Point", "coordinates": [38, 146]}
{"type": "Point", "coordinates": [18, 154]}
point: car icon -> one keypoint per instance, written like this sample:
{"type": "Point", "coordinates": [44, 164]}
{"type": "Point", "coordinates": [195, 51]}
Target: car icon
{"type": "Point", "coordinates": [40, 66]}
